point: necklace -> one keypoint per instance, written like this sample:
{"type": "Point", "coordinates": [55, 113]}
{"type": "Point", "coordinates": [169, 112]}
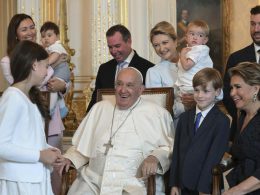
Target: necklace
{"type": "Point", "coordinates": [109, 144]}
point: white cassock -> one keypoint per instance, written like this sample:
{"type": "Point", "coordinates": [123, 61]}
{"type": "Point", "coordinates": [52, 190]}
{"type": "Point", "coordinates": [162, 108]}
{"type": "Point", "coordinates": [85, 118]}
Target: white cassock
{"type": "Point", "coordinates": [146, 130]}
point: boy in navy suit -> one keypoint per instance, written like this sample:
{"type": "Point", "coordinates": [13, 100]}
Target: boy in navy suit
{"type": "Point", "coordinates": [201, 138]}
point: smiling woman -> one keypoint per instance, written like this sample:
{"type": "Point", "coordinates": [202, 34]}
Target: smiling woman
{"type": "Point", "coordinates": [21, 27]}
{"type": "Point", "coordinates": [164, 41]}
{"type": "Point", "coordinates": [245, 92]}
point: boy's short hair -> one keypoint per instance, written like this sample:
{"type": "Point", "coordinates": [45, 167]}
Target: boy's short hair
{"type": "Point", "coordinates": [199, 23]}
{"type": "Point", "coordinates": [50, 26]}
{"type": "Point", "coordinates": [206, 75]}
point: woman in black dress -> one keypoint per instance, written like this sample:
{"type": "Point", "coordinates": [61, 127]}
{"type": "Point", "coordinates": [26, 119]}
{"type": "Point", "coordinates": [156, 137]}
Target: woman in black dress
{"type": "Point", "coordinates": [245, 92]}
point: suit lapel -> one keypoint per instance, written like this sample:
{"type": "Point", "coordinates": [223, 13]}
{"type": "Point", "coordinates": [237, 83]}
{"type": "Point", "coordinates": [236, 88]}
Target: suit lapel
{"type": "Point", "coordinates": [134, 60]}
{"type": "Point", "coordinates": [206, 123]}
{"type": "Point", "coordinates": [112, 72]}
{"type": "Point", "coordinates": [251, 53]}
{"type": "Point", "coordinates": [114, 67]}
{"type": "Point", "coordinates": [192, 114]}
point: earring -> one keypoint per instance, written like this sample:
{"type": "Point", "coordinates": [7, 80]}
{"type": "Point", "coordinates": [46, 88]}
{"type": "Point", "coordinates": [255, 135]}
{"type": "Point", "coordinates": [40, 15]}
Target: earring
{"type": "Point", "coordinates": [254, 97]}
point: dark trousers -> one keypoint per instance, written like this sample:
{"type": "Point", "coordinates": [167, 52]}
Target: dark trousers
{"type": "Point", "coordinates": [186, 191]}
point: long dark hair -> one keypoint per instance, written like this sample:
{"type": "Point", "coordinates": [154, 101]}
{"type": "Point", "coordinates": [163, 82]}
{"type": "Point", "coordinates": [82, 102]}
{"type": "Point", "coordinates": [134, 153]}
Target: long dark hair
{"type": "Point", "coordinates": [22, 58]}
{"type": "Point", "coordinates": [12, 31]}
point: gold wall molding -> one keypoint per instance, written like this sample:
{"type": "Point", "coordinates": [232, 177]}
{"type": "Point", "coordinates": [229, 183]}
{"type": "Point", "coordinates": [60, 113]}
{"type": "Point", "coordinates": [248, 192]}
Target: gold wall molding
{"type": "Point", "coordinates": [123, 12]}
{"type": "Point", "coordinates": [80, 100]}
{"type": "Point", "coordinates": [48, 11]}
{"type": "Point", "coordinates": [70, 121]}
{"type": "Point", "coordinates": [227, 11]}
{"type": "Point", "coordinates": [7, 10]}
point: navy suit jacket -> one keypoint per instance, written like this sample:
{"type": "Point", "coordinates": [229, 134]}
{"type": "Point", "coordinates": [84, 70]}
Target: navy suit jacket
{"type": "Point", "coordinates": [243, 55]}
{"type": "Point", "coordinates": [106, 74]}
{"type": "Point", "coordinates": [194, 155]}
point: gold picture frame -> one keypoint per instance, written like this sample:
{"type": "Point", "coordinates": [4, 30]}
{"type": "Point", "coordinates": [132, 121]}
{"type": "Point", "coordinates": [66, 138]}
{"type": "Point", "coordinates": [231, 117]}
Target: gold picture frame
{"type": "Point", "coordinates": [226, 12]}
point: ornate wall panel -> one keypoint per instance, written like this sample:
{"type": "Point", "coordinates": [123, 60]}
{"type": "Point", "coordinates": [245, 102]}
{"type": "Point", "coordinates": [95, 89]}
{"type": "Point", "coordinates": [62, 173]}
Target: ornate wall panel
{"type": "Point", "coordinates": [7, 10]}
{"type": "Point", "coordinates": [105, 14]}
{"type": "Point", "coordinates": [240, 23]}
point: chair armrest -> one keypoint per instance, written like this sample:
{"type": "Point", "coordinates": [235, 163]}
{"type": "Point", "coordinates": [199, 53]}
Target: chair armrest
{"type": "Point", "coordinates": [151, 185]}
{"type": "Point", "coordinates": [217, 173]}
{"type": "Point", "coordinates": [70, 176]}
{"type": "Point", "coordinates": [67, 180]}
{"type": "Point", "coordinates": [225, 164]}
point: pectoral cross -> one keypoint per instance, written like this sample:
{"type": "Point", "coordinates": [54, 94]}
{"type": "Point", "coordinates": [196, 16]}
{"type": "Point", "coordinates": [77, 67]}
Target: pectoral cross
{"type": "Point", "coordinates": [108, 145]}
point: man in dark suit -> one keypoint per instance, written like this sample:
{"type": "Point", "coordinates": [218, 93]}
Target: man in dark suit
{"type": "Point", "coordinates": [248, 53]}
{"type": "Point", "coordinates": [119, 43]}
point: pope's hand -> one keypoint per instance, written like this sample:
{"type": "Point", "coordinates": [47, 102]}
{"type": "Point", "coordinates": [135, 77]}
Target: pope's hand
{"type": "Point", "coordinates": [150, 165]}
{"type": "Point", "coordinates": [66, 163]}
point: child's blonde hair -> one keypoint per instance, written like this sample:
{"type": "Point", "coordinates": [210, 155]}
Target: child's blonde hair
{"type": "Point", "coordinates": [199, 23]}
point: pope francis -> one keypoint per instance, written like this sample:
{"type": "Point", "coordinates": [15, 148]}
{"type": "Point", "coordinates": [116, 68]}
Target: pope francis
{"type": "Point", "coordinates": [116, 147]}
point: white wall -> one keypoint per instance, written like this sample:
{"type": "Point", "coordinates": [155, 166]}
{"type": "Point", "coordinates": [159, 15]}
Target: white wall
{"type": "Point", "coordinates": [79, 34]}
{"type": "Point", "coordinates": [143, 15]}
